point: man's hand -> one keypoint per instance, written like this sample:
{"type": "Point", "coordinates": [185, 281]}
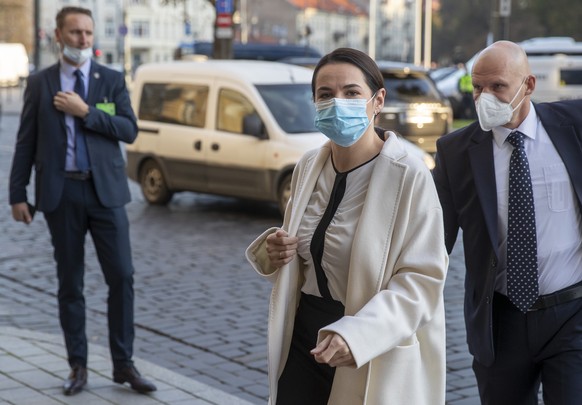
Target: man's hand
{"type": "Point", "coordinates": [21, 213]}
{"type": "Point", "coordinates": [334, 351]}
{"type": "Point", "coordinates": [70, 102]}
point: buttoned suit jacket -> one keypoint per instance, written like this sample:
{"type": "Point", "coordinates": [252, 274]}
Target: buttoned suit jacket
{"type": "Point", "coordinates": [465, 181]}
{"type": "Point", "coordinates": [42, 139]}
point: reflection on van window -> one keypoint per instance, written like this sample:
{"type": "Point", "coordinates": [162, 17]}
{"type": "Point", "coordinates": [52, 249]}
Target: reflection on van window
{"type": "Point", "coordinates": [291, 105]}
{"type": "Point", "coordinates": [233, 107]}
{"type": "Point", "coordinates": [570, 77]}
{"type": "Point", "coordinates": [409, 88]}
{"type": "Point", "coordinates": [182, 104]}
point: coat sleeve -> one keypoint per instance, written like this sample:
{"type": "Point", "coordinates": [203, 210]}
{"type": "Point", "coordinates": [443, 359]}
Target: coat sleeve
{"type": "Point", "coordinates": [122, 125]}
{"type": "Point", "coordinates": [25, 148]}
{"type": "Point", "coordinates": [441, 179]}
{"type": "Point", "coordinates": [415, 275]}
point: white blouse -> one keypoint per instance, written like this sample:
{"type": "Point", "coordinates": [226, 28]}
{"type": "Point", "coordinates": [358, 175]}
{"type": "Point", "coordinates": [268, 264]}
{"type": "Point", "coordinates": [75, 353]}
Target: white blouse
{"type": "Point", "coordinates": [340, 233]}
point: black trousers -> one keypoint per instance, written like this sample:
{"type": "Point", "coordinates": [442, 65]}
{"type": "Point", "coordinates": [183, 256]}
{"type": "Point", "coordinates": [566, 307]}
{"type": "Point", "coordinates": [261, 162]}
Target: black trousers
{"type": "Point", "coordinates": [78, 212]}
{"type": "Point", "coordinates": [305, 381]}
{"type": "Point", "coordinates": [543, 346]}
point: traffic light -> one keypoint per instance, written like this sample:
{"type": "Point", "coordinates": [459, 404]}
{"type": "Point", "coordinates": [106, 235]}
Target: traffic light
{"type": "Point", "coordinates": [97, 52]}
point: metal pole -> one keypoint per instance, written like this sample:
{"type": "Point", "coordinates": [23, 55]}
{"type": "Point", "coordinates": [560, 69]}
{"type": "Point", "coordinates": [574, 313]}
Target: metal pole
{"type": "Point", "coordinates": [36, 56]}
{"type": "Point", "coordinates": [417, 32]}
{"type": "Point", "coordinates": [427, 33]}
{"type": "Point", "coordinates": [126, 44]}
{"type": "Point", "coordinates": [372, 28]}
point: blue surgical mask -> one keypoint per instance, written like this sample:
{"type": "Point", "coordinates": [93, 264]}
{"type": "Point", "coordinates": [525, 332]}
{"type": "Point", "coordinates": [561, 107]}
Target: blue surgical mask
{"type": "Point", "coordinates": [343, 121]}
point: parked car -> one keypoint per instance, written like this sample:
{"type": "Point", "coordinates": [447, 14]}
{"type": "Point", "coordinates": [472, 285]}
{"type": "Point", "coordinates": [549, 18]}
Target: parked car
{"type": "Point", "coordinates": [233, 128]}
{"type": "Point", "coordinates": [414, 107]}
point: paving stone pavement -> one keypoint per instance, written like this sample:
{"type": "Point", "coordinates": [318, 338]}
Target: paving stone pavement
{"type": "Point", "coordinates": [200, 311]}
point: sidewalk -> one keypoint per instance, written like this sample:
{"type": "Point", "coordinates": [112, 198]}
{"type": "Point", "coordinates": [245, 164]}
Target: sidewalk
{"type": "Point", "coordinates": [33, 367]}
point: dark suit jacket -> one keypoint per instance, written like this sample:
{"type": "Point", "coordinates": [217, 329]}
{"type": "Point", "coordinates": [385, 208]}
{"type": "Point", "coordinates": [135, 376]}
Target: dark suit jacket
{"type": "Point", "coordinates": [465, 180]}
{"type": "Point", "coordinates": [42, 139]}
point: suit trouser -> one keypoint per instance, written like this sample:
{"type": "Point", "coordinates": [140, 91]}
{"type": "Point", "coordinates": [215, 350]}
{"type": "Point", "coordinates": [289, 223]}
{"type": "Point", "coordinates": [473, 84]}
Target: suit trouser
{"type": "Point", "coordinates": [538, 346]}
{"type": "Point", "coordinates": [78, 212]}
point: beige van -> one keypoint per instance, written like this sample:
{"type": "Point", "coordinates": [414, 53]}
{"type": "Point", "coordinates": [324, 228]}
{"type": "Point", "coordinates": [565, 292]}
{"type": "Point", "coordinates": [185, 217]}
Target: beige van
{"type": "Point", "coordinates": [226, 127]}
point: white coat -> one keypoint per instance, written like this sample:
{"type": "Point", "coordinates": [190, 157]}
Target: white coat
{"type": "Point", "coordinates": [394, 315]}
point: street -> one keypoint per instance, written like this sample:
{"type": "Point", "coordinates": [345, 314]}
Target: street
{"type": "Point", "coordinates": [200, 310]}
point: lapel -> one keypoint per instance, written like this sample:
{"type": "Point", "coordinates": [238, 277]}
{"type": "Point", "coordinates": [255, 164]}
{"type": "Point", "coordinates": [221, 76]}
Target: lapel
{"type": "Point", "coordinates": [373, 235]}
{"type": "Point", "coordinates": [54, 84]}
{"type": "Point", "coordinates": [95, 80]}
{"type": "Point", "coordinates": [561, 131]}
{"type": "Point", "coordinates": [306, 184]}
{"type": "Point", "coordinates": [483, 169]}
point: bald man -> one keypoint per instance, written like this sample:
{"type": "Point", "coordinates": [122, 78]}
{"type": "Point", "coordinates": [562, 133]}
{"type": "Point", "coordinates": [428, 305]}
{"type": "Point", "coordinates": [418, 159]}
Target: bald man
{"type": "Point", "coordinates": [518, 343]}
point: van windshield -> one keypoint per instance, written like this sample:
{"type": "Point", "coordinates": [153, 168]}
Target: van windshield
{"type": "Point", "coordinates": [291, 105]}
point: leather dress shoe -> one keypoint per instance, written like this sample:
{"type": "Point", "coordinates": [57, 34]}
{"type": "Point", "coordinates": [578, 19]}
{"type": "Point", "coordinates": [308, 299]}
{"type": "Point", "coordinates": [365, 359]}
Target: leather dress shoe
{"type": "Point", "coordinates": [130, 375]}
{"type": "Point", "coordinates": [76, 381]}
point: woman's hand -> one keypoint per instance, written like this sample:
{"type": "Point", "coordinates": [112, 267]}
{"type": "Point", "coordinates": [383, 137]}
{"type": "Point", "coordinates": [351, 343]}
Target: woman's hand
{"type": "Point", "coordinates": [281, 248]}
{"type": "Point", "coordinates": [334, 351]}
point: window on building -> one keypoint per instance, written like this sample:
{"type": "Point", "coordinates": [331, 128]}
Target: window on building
{"type": "Point", "coordinates": [140, 29]}
{"type": "Point", "coordinates": [110, 28]}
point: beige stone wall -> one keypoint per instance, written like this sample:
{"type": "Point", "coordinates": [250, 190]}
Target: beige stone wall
{"type": "Point", "coordinates": [17, 22]}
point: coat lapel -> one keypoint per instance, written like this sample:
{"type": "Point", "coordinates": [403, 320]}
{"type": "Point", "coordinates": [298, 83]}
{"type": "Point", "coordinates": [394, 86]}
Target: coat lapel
{"type": "Point", "coordinates": [374, 232]}
{"type": "Point", "coordinates": [483, 169]}
{"type": "Point", "coordinates": [305, 186]}
{"type": "Point", "coordinates": [54, 84]}
{"type": "Point", "coordinates": [95, 79]}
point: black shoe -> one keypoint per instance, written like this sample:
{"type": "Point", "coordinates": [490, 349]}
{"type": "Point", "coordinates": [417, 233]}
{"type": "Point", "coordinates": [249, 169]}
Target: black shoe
{"type": "Point", "coordinates": [130, 375]}
{"type": "Point", "coordinates": [76, 381]}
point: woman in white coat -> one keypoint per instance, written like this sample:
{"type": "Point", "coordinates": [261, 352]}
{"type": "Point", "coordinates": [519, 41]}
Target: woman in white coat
{"type": "Point", "coordinates": [358, 267]}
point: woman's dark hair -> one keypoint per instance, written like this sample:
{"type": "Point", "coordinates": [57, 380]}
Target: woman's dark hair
{"type": "Point", "coordinates": [354, 57]}
{"type": "Point", "coordinates": [65, 11]}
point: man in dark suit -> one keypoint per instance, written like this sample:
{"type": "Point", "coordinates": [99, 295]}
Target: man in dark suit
{"type": "Point", "coordinates": [516, 343]}
{"type": "Point", "coordinates": [75, 114]}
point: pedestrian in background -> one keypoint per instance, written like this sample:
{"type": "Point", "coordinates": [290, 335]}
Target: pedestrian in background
{"type": "Point", "coordinates": [74, 116]}
{"type": "Point", "coordinates": [513, 183]}
{"type": "Point", "coordinates": [466, 89]}
{"type": "Point", "coordinates": [359, 265]}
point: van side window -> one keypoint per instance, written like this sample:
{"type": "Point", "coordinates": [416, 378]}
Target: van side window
{"type": "Point", "coordinates": [233, 107]}
{"type": "Point", "coordinates": [182, 104]}
{"type": "Point", "coordinates": [570, 77]}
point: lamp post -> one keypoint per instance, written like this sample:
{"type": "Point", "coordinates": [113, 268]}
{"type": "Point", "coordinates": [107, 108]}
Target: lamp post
{"type": "Point", "coordinates": [372, 28]}
{"type": "Point", "coordinates": [427, 33]}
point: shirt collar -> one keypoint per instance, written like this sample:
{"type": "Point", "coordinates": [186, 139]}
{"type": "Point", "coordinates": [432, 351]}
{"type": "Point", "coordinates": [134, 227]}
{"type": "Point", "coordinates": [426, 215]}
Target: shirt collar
{"type": "Point", "coordinates": [528, 127]}
{"type": "Point", "coordinates": [69, 70]}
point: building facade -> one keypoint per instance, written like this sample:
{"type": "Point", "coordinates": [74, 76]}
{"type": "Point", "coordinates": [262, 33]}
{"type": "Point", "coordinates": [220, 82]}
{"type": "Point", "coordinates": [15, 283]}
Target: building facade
{"type": "Point", "coordinates": [131, 32]}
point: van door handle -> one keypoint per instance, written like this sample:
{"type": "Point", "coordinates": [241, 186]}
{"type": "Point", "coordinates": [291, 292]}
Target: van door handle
{"type": "Point", "coordinates": [215, 147]}
{"type": "Point", "coordinates": [198, 145]}
{"type": "Point", "coordinates": [149, 130]}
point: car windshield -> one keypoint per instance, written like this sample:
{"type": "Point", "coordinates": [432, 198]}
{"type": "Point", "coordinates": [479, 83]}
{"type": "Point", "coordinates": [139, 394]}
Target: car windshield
{"type": "Point", "coordinates": [291, 105]}
{"type": "Point", "coordinates": [410, 87]}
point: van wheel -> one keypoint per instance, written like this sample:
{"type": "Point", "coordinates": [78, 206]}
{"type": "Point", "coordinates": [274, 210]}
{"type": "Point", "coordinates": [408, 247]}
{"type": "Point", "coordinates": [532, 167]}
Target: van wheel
{"type": "Point", "coordinates": [153, 185]}
{"type": "Point", "coordinates": [284, 193]}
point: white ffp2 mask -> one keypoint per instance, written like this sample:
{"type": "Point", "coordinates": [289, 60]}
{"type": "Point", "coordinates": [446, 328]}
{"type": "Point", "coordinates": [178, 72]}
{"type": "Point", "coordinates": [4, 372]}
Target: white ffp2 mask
{"type": "Point", "coordinates": [492, 112]}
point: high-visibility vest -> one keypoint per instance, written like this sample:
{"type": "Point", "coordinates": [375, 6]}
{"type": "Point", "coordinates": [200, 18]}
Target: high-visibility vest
{"type": "Point", "coordinates": [466, 83]}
